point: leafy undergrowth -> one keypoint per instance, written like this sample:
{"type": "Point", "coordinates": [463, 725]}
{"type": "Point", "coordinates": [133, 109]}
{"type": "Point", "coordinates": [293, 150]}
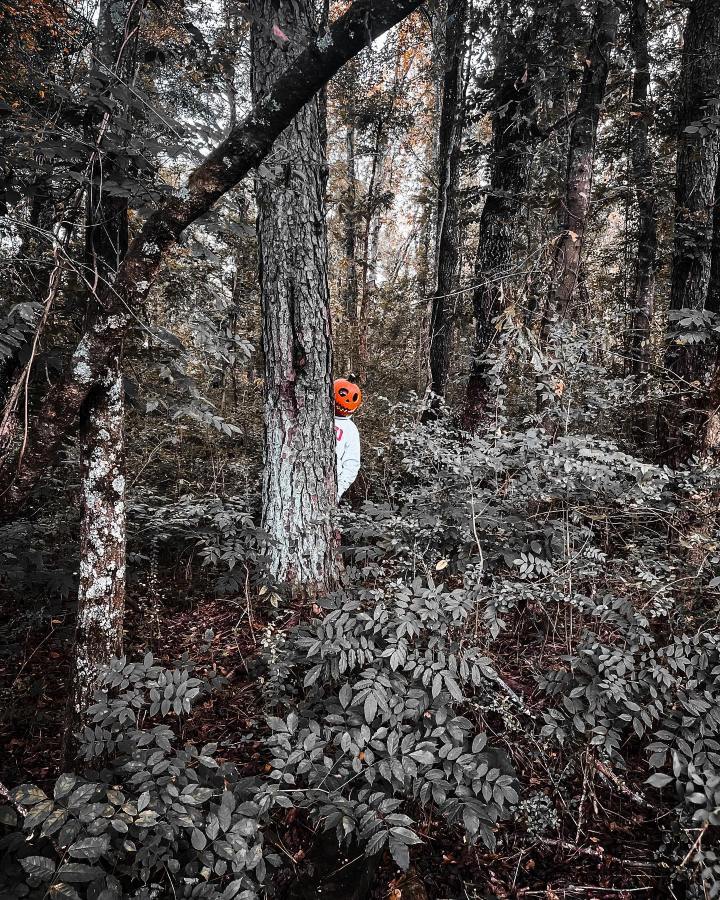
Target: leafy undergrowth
{"type": "Point", "coordinates": [514, 692]}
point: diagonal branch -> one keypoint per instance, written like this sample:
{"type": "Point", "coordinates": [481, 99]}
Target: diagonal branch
{"type": "Point", "coordinates": [244, 148]}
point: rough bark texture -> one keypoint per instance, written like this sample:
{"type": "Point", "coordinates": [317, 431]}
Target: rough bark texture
{"type": "Point", "coordinates": [683, 425]}
{"type": "Point", "coordinates": [644, 183]}
{"type": "Point", "coordinates": [349, 289]}
{"type": "Point", "coordinates": [581, 155]}
{"type": "Point", "coordinates": [712, 304]}
{"type": "Point", "coordinates": [101, 588]}
{"type": "Point", "coordinates": [299, 487]}
{"type": "Point", "coordinates": [698, 159]}
{"type": "Point", "coordinates": [246, 145]}
{"type": "Point", "coordinates": [370, 245]}
{"type": "Point", "coordinates": [452, 120]}
{"type": "Point", "coordinates": [514, 128]}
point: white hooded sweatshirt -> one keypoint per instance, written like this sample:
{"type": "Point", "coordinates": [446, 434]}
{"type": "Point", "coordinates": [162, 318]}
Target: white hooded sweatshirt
{"type": "Point", "coordinates": [347, 448]}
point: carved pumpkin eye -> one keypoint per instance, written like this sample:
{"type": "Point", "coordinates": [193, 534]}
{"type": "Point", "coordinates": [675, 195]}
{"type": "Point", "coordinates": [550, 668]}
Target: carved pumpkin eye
{"type": "Point", "coordinates": [355, 396]}
{"type": "Point", "coordinates": [343, 392]}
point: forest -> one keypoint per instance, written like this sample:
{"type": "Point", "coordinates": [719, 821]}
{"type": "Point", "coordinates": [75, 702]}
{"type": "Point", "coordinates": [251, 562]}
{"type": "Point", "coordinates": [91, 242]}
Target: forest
{"type": "Point", "coordinates": [360, 449]}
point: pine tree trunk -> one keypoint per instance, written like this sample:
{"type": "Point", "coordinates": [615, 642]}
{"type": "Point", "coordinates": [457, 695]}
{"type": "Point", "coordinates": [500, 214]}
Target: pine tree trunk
{"type": "Point", "coordinates": [350, 279]}
{"type": "Point", "coordinates": [712, 304]}
{"type": "Point", "coordinates": [299, 487]}
{"type": "Point", "coordinates": [101, 589]}
{"type": "Point", "coordinates": [682, 424]}
{"type": "Point", "coordinates": [644, 183]}
{"type": "Point", "coordinates": [581, 156]}
{"type": "Point", "coordinates": [644, 293]}
{"type": "Point", "coordinates": [372, 222]}
{"type": "Point", "coordinates": [698, 159]}
{"type": "Point", "coordinates": [514, 128]}
{"type": "Point", "coordinates": [452, 120]}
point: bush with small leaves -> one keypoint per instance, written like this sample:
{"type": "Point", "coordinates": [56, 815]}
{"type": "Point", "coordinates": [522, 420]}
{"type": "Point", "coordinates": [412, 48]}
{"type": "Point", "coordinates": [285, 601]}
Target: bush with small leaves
{"type": "Point", "coordinates": [387, 719]}
{"type": "Point", "coordinates": [154, 818]}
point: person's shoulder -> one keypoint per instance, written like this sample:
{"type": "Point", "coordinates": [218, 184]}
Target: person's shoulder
{"type": "Point", "coordinates": [351, 426]}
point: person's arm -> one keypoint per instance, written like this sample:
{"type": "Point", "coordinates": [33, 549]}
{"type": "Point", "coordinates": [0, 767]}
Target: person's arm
{"type": "Point", "coordinates": [349, 464]}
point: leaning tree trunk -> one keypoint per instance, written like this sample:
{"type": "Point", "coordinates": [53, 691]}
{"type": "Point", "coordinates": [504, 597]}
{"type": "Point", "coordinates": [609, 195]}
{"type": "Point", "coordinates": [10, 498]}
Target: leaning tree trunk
{"type": "Point", "coordinates": [299, 487]}
{"type": "Point", "coordinates": [247, 144]}
{"type": "Point", "coordinates": [642, 165]}
{"type": "Point", "coordinates": [514, 128]}
{"type": "Point", "coordinates": [447, 254]}
{"type": "Point", "coordinates": [581, 156]}
{"type": "Point", "coordinates": [101, 589]}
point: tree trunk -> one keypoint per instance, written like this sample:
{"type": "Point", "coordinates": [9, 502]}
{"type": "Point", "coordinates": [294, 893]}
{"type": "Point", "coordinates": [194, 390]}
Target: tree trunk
{"type": "Point", "coordinates": [452, 120]}
{"type": "Point", "coordinates": [642, 164]}
{"type": "Point", "coordinates": [581, 155]}
{"type": "Point", "coordinates": [683, 418]}
{"type": "Point", "coordinates": [349, 211]}
{"type": "Point", "coordinates": [646, 263]}
{"type": "Point", "coordinates": [101, 589]}
{"type": "Point", "coordinates": [698, 158]}
{"type": "Point", "coordinates": [368, 263]}
{"type": "Point", "coordinates": [712, 304]}
{"type": "Point", "coordinates": [299, 487]}
{"type": "Point", "coordinates": [514, 128]}
{"type": "Point", "coordinates": [223, 168]}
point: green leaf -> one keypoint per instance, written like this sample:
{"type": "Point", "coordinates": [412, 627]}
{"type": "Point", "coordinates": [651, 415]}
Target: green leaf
{"type": "Point", "coordinates": [370, 708]}
{"type": "Point", "coordinates": [471, 820]}
{"type": "Point", "coordinates": [91, 848]}
{"type": "Point", "coordinates": [64, 890]}
{"type": "Point", "coordinates": [659, 780]}
{"type": "Point", "coordinates": [345, 695]}
{"type": "Point", "coordinates": [405, 835]}
{"type": "Point", "coordinates": [28, 795]}
{"type": "Point", "coordinates": [400, 854]}
{"type": "Point", "coordinates": [38, 814]}
{"type": "Point", "coordinates": [38, 867]}
{"type": "Point", "coordinates": [64, 785]}
{"type": "Point", "coordinates": [79, 872]}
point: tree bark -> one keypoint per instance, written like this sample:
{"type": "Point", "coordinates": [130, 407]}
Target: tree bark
{"type": "Point", "coordinates": [683, 425]}
{"type": "Point", "coordinates": [246, 145]}
{"type": "Point", "coordinates": [349, 213]}
{"type": "Point", "coordinates": [452, 121]}
{"type": "Point", "coordinates": [712, 304]}
{"type": "Point", "coordinates": [299, 486]}
{"type": "Point", "coordinates": [101, 588]}
{"type": "Point", "coordinates": [369, 257]}
{"type": "Point", "coordinates": [698, 159]}
{"type": "Point", "coordinates": [514, 129]}
{"type": "Point", "coordinates": [581, 156]}
{"type": "Point", "coordinates": [642, 164]}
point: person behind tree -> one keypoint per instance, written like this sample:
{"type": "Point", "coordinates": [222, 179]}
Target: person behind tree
{"type": "Point", "coordinates": [348, 398]}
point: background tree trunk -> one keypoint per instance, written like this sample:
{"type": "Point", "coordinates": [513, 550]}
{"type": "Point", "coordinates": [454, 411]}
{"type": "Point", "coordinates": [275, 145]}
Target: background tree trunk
{"type": "Point", "coordinates": [643, 301]}
{"type": "Point", "coordinates": [350, 279]}
{"type": "Point", "coordinates": [447, 253]}
{"type": "Point", "coordinates": [642, 164]}
{"type": "Point", "coordinates": [581, 156]}
{"type": "Point", "coordinates": [682, 419]}
{"type": "Point", "coordinates": [299, 486]}
{"type": "Point", "coordinates": [698, 159]}
{"type": "Point", "coordinates": [514, 128]}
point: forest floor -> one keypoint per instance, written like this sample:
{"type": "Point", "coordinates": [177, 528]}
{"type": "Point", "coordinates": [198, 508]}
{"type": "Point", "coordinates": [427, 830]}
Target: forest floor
{"type": "Point", "coordinates": [607, 857]}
